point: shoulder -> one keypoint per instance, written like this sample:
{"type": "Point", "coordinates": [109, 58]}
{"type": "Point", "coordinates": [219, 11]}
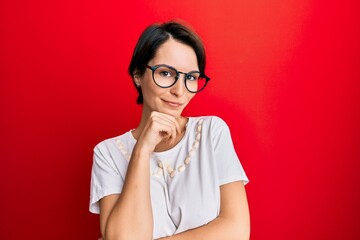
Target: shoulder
{"type": "Point", "coordinates": [107, 144]}
{"type": "Point", "coordinates": [214, 128]}
{"type": "Point", "coordinates": [212, 122]}
{"type": "Point", "coordinates": [108, 154]}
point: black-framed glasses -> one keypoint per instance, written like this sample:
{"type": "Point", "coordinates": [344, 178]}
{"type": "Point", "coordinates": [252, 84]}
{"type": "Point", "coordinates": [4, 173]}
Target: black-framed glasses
{"type": "Point", "coordinates": [166, 76]}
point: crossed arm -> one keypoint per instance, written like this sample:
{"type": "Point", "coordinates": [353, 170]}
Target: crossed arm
{"type": "Point", "coordinates": [132, 208]}
{"type": "Point", "coordinates": [233, 221]}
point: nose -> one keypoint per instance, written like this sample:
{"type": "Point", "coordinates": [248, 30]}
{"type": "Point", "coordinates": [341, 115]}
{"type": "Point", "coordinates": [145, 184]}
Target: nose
{"type": "Point", "coordinates": [179, 88]}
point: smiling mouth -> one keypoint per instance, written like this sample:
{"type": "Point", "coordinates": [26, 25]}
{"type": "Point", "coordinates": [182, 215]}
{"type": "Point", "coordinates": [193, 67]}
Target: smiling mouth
{"type": "Point", "coordinates": [172, 104]}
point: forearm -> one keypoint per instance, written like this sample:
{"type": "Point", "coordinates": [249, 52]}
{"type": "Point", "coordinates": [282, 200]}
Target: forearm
{"type": "Point", "coordinates": [233, 222]}
{"type": "Point", "coordinates": [131, 217]}
{"type": "Point", "coordinates": [219, 228]}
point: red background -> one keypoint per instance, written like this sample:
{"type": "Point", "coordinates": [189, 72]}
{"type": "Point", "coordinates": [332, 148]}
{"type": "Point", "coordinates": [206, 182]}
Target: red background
{"type": "Point", "coordinates": [285, 77]}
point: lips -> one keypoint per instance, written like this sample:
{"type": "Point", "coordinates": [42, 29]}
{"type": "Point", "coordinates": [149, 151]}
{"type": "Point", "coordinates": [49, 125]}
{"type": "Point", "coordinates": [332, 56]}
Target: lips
{"type": "Point", "coordinates": [172, 104]}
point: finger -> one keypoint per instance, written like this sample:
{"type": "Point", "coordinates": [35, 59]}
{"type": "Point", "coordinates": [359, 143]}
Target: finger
{"type": "Point", "coordinates": [166, 120]}
{"type": "Point", "coordinates": [173, 134]}
{"type": "Point", "coordinates": [165, 128]}
{"type": "Point", "coordinates": [171, 119]}
{"type": "Point", "coordinates": [170, 129]}
{"type": "Point", "coordinates": [175, 122]}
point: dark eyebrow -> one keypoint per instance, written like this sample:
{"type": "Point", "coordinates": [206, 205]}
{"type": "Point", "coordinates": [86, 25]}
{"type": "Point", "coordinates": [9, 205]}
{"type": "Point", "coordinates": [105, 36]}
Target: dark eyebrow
{"type": "Point", "coordinates": [163, 64]}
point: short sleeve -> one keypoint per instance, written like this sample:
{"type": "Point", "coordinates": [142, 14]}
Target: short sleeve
{"type": "Point", "coordinates": [106, 178]}
{"type": "Point", "coordinates": [228, 164]}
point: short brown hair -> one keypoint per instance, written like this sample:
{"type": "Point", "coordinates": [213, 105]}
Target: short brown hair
{"type": "Point", "coordinates": [153, 37]}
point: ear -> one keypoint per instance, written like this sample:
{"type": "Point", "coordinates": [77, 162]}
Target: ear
{"type": "Point", "coordinates": [136, 78]}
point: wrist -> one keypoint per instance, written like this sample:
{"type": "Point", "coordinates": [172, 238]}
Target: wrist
{"type": "Point", "coordinates": [142, 151]}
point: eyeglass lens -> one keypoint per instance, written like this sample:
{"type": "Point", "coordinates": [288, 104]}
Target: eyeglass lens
{"type": "Point", "coordinates": [166, 77]}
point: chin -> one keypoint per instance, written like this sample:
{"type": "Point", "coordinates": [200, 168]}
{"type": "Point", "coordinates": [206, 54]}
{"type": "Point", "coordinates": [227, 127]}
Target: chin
{"type": "Point", "coordinates": [176, 113]}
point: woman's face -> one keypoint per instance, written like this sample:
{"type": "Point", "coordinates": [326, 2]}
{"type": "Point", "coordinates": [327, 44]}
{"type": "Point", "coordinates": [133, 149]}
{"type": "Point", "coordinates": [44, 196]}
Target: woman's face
{"type": "Point", "coordinates": [174, 99]}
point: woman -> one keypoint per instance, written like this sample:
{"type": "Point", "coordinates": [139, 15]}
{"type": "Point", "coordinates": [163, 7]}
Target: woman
{"type": "Point", "coordinates": [173, 177]}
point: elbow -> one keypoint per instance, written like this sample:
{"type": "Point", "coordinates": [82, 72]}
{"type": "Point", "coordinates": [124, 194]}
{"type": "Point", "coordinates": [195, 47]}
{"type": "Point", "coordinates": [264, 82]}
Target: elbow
{"type": "Point", "coordinates": [121, 229]}
{"type": "Point", "coordinates": [241, 230]}
{"type": "Point", "coordinates": [127, 235]}
{"type": "Point", "coordinates": [111, 235]}
{"type": "Point", "coordinates": [243, 233]}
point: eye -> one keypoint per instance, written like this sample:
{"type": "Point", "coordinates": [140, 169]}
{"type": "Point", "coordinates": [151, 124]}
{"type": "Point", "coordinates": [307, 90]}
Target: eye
{"type": "Point", "coordinates": [165, 73]}
{"type": "Point", "coordinates": [192, 77]}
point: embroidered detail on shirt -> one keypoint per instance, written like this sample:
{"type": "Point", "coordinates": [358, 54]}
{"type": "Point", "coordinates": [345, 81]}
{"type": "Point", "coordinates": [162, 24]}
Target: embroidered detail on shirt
{"type": "Point", "coordinates": [163, 165]}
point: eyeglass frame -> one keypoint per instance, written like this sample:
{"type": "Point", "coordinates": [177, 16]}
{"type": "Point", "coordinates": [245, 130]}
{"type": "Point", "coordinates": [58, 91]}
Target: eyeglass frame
{"type": "Point", "coordinates": [153, 69]}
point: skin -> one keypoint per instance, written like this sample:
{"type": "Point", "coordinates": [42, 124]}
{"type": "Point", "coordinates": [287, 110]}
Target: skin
{"type": "Point", "coordinates": [161, 127]}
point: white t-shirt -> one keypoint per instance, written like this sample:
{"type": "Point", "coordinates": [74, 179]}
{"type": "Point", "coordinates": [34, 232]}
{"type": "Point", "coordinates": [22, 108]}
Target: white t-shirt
{"type": "Point", "coordinates": [185, 180]}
